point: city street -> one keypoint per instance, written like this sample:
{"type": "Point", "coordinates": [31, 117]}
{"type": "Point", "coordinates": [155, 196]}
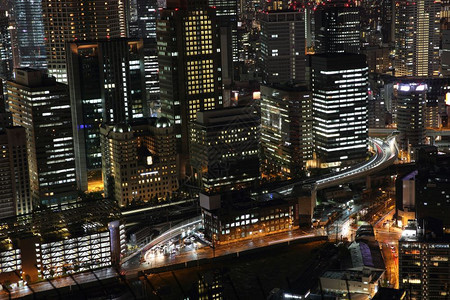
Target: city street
{"type": "Point", "coordinates": [388, 237]}
{"type": "Point", "coordinates": [160, 260]}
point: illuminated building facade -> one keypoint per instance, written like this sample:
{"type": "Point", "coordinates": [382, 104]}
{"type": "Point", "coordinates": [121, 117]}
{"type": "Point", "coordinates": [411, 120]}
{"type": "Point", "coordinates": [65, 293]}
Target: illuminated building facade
{"type": "Point", "coordinates": [378, 59]}
{"type": "Point", "coordinates": [286, 129]}
{"type": "Point", "coordinates": [423, 262]}
{"type": "Point", "coordinates": [380, 95]}
{"type": "Point", "coordinates": [337, 28]}
{"type": "Point", "coordinates": [227, 18]}
{"type": "Point", "coordinates": [78, 20]}
{"type": "Point", "coordinates": [282, 52]}
{"type": "Point", "coordinates": [15, 195]}
{"type": "Point", "coordinates": [139, 160]}
{"type": "Point", "coordinates": [48, 244]}
{"type": "Point", "coordinates": [339, 102]}
{"type": "Point", "coordinates": [143, 16]}
{"type": "Point", "coordinates": [411, 101]}
{"type": "Point", "coordinates": [189, 66]}
{"type": "Point", "coordinates": [29, 33]}
{"type": "Point", "coordinates": [6, 53]}
{"type": "Point", "coordinates": [106, 84]}
{"type": "Point", "coordinates": [224, 148]}
{"type": "Point", "coordinates": [417, 38]}
{"type": "Point", "coordinates": [232, 216]}
{"type": "Point", "coordinates": [42, 107]}
{"type": "Point", "coordinates": [445, 38]}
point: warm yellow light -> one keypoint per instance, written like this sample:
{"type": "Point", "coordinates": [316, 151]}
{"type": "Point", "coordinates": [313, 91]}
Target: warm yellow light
{"type": "Point", "coordinates": [447, 98]}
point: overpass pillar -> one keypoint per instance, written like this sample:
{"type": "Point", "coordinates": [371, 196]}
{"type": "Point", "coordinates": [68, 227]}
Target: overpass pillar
{"type": "Point", "coordinates": [368, 182]}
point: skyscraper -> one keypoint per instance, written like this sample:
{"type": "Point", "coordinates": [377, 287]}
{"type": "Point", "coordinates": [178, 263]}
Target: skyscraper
{"type": "Point", "coordinates": [227, 18]}
{"type": "Point", "coordinates": [423, 261]}
{"type": "Point", "coordinates": [224, 148]}
{"type": "Point", "coordinates": [282, 50]}
{"type": "Point", "coordinates": [29, 34]}
{"type": "Point", "coordinates": [339, 90]}
{"type": "Point", "coordinates": [15, 195]}
{"type": "Point", "coordinates": [106, 84]}
{"type": "Point", "coordinates": [337, 27]}
{"type": "Point", "coordinates": [139, 160]}
{"type": "Point", "coordinates": [143, 25]}
{"type": "Point", "coordinates": [417, 38]}
{"type": "Point", "coordinates": [78, 20]}
{"type": "Point", "coordinates": [189, 65]}
{"type": "Point", "coordinates": [41, 105]}
{"type": "Point", "coordinates": [286, 129]}
{"type": "Point", "coordinates": [6, 53]}
{"type": "Point", "coordinates": [411, 101]}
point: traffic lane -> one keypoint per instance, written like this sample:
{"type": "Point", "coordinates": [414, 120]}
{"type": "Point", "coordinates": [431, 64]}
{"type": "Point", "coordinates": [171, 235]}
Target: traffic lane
{"type": "Point", "coordinates": [224, 249]}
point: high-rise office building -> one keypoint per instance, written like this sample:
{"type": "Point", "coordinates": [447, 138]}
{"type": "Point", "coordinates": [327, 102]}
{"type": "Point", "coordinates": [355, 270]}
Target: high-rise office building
{"type": "Point", "coordinates": [6, 53]}
{"type": "Point", "coordinates": [106, 84]}
{"type": "Point", "coordinates": [224, 148]}
{"type": "Point", "coordinates": [286, 129]}
{"type": "Point", "coordinates": [143, 16]}
{"type": "Point", "coordinates": [28, 34]}
{"type": "Point", "coordinates": [417, 38]}
{"type": "Point", "coordinates": [14, 174]}
{"type": "Point", "coordinates": [282, 52]}
{"type": "Point", "coordinates": [227, 18]}
{"type": "Point", "coordinates": [337, 27]}
{"type": "Point", "coordinates": [339, 99]}
{"type": "Point", "coordinates": [41, 105]}
{"type": "Point", "coordinates": [423, 261]}
{"type": "Point", "coordinates": [139, 160]}
{"type": "Point", "coordinates": [189, 66]}
{"type": "Point", "coordinates": [445, 38]}
{"type": "Point", "coordinates": [78, 20]}
{"type": "Point", "coordinates": [411, 101]}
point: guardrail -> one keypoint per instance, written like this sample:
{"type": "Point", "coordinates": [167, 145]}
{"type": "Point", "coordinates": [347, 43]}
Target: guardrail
{"type": "Point", "coordinates": [171, 233]}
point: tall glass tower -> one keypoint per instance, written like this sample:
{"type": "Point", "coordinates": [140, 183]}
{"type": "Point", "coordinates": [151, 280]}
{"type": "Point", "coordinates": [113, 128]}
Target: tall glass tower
{"type": "Point", "coordinates": [29, 34]}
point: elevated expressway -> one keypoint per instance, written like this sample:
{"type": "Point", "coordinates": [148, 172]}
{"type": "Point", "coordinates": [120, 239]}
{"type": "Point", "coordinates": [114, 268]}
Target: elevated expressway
{"type": "Point", "coordinates": [386, 153]}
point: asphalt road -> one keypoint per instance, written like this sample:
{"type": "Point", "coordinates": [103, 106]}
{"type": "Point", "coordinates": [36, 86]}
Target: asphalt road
{"type": "Point", "coordinates": [155, 261]}
{"type": "Point", "coordinates": [388, 237]}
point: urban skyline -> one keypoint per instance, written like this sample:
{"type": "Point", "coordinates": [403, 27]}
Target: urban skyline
{"type": "Point", "coordinates": [190, 149]}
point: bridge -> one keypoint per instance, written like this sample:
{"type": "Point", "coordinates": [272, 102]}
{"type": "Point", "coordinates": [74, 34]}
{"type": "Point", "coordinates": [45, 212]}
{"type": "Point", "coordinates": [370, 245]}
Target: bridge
{"type": "Point", "coordinates": [429, 132]}
{"type": "Point", "coordinates": [386, 153]}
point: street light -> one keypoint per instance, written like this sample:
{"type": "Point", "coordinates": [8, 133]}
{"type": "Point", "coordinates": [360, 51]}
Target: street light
{"type": "Point", "coordinates": [214, 237]}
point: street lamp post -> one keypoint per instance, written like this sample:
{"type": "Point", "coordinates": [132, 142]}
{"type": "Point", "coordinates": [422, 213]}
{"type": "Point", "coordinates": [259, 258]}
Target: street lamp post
{"type": "Point", "coordinates": [214, 236]}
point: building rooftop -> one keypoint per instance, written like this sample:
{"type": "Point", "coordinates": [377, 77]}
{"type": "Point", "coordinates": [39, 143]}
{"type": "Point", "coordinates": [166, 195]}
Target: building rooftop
{"type": "Point", "coordinates": [238, 201]}
{"type": "Point", "coordinates": [353, 275]}
{"type": "Point", "coordinates": [364, 254]}
{"type": "Point", "coordinates": [424, 231]}
{"type": "Point", "coordinates": [389, 294]}
{"type": "Point", "coordinates": [50, 225]}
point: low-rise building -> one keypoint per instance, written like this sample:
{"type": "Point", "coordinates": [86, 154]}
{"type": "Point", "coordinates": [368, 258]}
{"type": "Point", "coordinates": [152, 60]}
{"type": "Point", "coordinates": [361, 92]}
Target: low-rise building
{"type": "Point", "coordinates": [47, 244]}
{"type": "Point", "coordinates": [232, 216]}
{"type": "Point", "coordinates": [355, 282]}
{"type": "Point", "coordinates": [362, 268]}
